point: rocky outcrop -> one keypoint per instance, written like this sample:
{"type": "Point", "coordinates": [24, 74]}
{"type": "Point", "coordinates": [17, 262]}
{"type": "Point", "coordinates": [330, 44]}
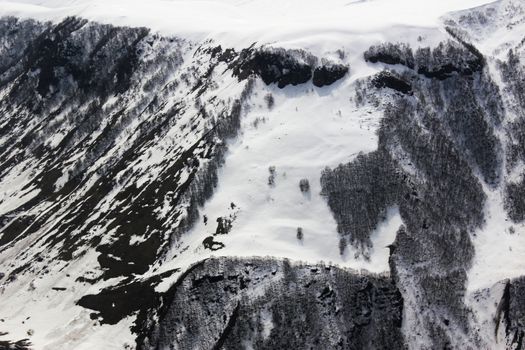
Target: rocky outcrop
{"type": "Point", "coordinates": [389, 80]}
{"type": "Point", "coordinates": [328, 74]}
{"type": "Point", "coordinates": [275, 66]}
{"type": "Point", "coordinates": [440, 62]}
{"type": "Point", "coordinates": [511, 314]}
{"type": "Point", "coordinates": [229, 303]}
{"type": "Point", "coordinates": [389, 53]}
{"type": "Point", "coordinates": [286, 67]}
{"type": "Point", "coordinates": [23, 344]}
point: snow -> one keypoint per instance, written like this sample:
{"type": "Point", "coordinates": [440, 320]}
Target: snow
{"type": "Point", "coordinates": [268, 325]}
{"type": "Point", "coordinates": [499, 247]}
{"type": "Point", "coordinates": [495, 27]}
{"type": "Point", "coordinates": [242, 22]}
{"type": "Point", "coordinates": [500, 244]}
{"type": "Point", "coordinates": [12, 194]}
{"type": "Point", "coordinates": [53, 316]}
{"type": "Point", "coordinates": [307, 130]}
{"type": "Point", "coordinates": [484, 304]}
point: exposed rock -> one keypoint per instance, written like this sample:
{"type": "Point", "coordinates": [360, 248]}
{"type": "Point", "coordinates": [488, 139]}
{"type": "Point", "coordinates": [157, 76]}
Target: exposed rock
{"type": "Point", "coordinates": [22, 344]}
{"type": "Point", "coordinates": [511, 314]}
{"type": "Point", "coordinates": [328, 74]}
{"type": "Point", "coordinates": [304, 185]}
{"type": "Point", "coordinates": [440, 63]}
{"type": "Point", "coordinates": [211, 244]}
{"type": "Point", "coordinates": [447, 58]}
{"type": "Point", "coordinates": [264, 303]}
{"type": "Point", "coordinates": [390, 54]}
{"type": "Point", "coordinates": [389, 80]}
{"type": "Point", "coordinates": [274, 66]}
{"type": "Point", "coordinates": [113, 304]}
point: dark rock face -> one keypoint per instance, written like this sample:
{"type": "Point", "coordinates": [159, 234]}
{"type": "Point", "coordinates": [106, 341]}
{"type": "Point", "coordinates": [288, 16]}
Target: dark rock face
{"type": "Point", "coordinates": [391, 54]}
{"type": "Point", "coordinates": [328, 74]}
{"type": "Point", "coordinates": [274, 66]}
{"type": "Point", "coordinates": [444, 71]}
{"type": "Point", "coordinates": [446, 59]}
{"type": "Point", "coordinates": [285, 67]}
{"type": "Point", "coordinates": [391, 81]}
{"type": "Point", "coordinates": [113, 304]}
{"type": "Point", "coordinates": [269, 304]}
{"type": "Point", "coordinates": [22, 344]}
{"type": "Point", "coordinates": [511, 313]}
{"type": "Point", "coordinates": [440, 63]}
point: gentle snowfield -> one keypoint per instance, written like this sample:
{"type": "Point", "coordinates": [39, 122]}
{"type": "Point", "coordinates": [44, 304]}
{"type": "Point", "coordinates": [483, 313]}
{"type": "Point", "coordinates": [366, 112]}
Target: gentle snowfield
{"type": "Point", "coordinates": [307, 130]}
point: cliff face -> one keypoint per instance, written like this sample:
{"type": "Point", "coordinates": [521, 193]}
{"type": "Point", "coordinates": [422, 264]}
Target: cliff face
{"type": "Point", "coordinates": [268, 304]}
{"type": "Point", "coordinates": [141, 175]}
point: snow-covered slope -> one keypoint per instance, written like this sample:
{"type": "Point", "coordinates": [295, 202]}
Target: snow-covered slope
{"type": "Point", "coordinates": [238, 23]}
{"type": "Point", "coordinates": [140, 138]}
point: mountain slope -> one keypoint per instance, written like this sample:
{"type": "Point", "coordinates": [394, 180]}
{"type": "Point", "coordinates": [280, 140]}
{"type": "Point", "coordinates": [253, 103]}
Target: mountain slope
{"type": "Point", "coordinates": [388, 171]}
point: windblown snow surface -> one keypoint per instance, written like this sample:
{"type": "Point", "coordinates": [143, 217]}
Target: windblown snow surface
{"type": "Point", "coordinates": [285, 135]}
